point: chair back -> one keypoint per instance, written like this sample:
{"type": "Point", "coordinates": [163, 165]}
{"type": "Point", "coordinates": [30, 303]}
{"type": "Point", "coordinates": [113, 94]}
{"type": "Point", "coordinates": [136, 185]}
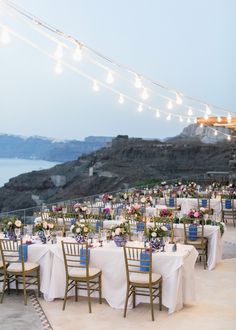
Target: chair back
{"type": "Point", "coordinates": [76, 255]}
{"type": "Point", "coordinates": [171, 202]}
{"type": "Point", "coordinates": [138, 261]}
{"type": "Point", "coordinates": [204, 202]}
{"type": "Point", "coordinates": [227, 204]}
{"type": "Point", "coordinates": [193, 231]}
{"type": "Point", "coordinates": [12, 252]}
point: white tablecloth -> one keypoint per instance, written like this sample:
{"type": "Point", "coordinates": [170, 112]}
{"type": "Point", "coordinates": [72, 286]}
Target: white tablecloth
{"type": "Point", "coordinates": [177, 269]}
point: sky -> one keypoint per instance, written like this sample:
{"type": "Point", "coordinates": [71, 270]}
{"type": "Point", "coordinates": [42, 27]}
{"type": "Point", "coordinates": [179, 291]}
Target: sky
{"type": "Point", "coordinates": [187, 45]}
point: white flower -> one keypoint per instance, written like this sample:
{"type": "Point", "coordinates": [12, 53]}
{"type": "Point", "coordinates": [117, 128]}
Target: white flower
{"type": "Point", "coordinates": [83, 208]}
{"type": "Point", "coordinates": [202, 209]}
{"type": "Point", "coordinates": [164, 228]}
{"type": "Point", "coordinates": [154, 234]}
{"type": "Point", "coordinates": [50, 225]}
{"type": "Point", "coordinates": [72, 227]}
{"type": "Point", "coordinates": [143, 200]}
{"type": "Point", "coordinates": [78, 230]}
{"type": "Point", "coordinates": [85, 229]}
{"type": "Point", "coordinates": [9, 223]}
{"type": "Point", "coordinates": [45, 225]}
{"type": "Point", "coordinates": [18, 223]}
{"type": "Point", "coordinates": [117, 231]}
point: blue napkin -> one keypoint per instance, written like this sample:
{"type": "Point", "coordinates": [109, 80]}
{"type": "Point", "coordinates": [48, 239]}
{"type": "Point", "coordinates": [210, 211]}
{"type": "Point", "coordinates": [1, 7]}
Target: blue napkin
{"type": "Point", "coordinates": [99, 225]}
{"type": "Point", "coordinates": [140, 226]}
{"type": "Point", "coordinates": [144, 261]}
{"type": "Point", "coordinates": [204, 202]}
{"type": "Point", "coordinates": [25, 252]}
{"type": "Point", "coordinates": [171, 202]}
{"type": "Point", "coordinates": [83, 256]}
{"type": "Point", "coordinates": [192, 233]}
{"type": "Point", "coordinates": [228, 204]}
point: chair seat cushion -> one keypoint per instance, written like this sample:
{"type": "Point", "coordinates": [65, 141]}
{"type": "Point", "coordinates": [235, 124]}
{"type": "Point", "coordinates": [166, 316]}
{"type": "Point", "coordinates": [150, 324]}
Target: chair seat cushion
{"type": "Point", "coordinates": [81, 272]}
{"type": "Point", "coordinates": [143, 278]}
{"type": "Point", "coordinates": [197, 242]}
{"type": "Point", "coordinates": [16, 267]}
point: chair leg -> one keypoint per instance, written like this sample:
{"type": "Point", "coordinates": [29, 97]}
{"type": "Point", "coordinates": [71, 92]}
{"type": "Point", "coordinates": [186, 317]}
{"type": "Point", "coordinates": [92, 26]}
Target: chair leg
{"type": "Point", "coordinates": [24, 288]}
{"type": "Point", "coordinates": [89, 298]}
{"type": "Point", "coordinates": [151, 302]}
{"type": "Point", "coordinates": [160, 295]}
{"type": "Point", "coordinates": [100, 288]}
{"type": "Point", "coordinates": [134, 298]}
{"type": "Point", "coordinates": [38, 280]}
{"type": "Point", "coordinates": [76, 291]}
{"type": "Point", "coordinates": [65, 297]}
{"type": "Point", "coordinates": [17, 285]}
{"type": "Point", "coordinates": [126, 300]}
{"type": "Point", "coordinates": [3, 287]}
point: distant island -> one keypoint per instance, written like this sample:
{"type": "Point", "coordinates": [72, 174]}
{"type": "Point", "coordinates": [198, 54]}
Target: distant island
{"type": "Point", "coordinates": [36, 147]}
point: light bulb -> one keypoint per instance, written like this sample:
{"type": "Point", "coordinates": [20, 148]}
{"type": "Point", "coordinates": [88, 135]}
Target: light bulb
{"type": "Point", "coordinates": [78, 56]}
{"type": "Point", "coordinates": [195, 121]}
{"type": "Point", "coordinates": [58, 54]}
{"type": "Point", "coordinates": [168, 117]}
{"type": "Point", "coordinates": [140, 107]}
{"type": "Point", "coordinates": [109, 78]}
{"type": "Point", "coordinates": [95, 86]}
{"type": "Point", "coordinates": [201, 125]}
{"type": "Point", "coordinates": [169, 105]}
{"type": "Point", "coordinates": [219, 119]}
{"type": "Point", "coordinates": [229, 138]}
{"type": "Point", "coordinates": [5, 35]}
{"type": "Point", "coordinates": [178, 99]}
{"type": "Point", "coordinates": [157, 113]}
{"type": "Point", "coordinates": [190, 111]}
{"type": "Point", "coordinates": [215, 133]}
{"type": "Point", "coordinates": [144, 94]}
{"type": "Point", "coordinates": [229, 118]}
{"type": "Point", "coordinates": [137, 81]}
{"type": "Point", "coordinates": [206, 117]}
{"type": "Point", "coordinates": [208, 110]}
{"type": "Point", "coordinates": [121, 99]}
{"type": "Point", "coordinates": [58, 67]}
{"type": "Point", "coordinates": [180, 119]}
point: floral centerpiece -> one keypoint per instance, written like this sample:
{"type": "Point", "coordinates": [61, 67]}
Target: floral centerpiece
{"type": "Point", "coordinates": [106, 213]}
{"type": "Point", "coordinates": [135, 212]}
{"type": "Point", "coordinates": [43, 229]}
{"type": "Point", "coordinates": [120, 233]}
{"type": "Point", "coordinates": [81, 231]}
{"type": "Point", "coordinates": [81, 209]}
{"type": "Point", "coordinates": [155, 235]}
{"type": "Point", "coordinates": [107, 198]}
{"type": "Point", "coordinates": [165, 213]}
{"type": "Point", "coordinates": [12, 228]}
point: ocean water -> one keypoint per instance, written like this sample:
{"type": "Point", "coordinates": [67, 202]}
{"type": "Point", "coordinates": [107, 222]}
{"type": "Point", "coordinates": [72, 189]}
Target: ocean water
{"type": "Point", "coordinates": [11, 167]}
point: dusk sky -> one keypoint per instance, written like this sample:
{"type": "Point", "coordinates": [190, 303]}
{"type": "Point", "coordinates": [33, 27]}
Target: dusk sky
{"type": "Point", "coordinates": [187, 45]}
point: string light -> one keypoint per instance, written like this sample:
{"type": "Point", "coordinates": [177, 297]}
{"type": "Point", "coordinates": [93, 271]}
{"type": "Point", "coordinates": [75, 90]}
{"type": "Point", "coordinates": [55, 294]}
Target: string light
{"type": "Point", "coordinates": [109, 78]}
{"type": "Point", "coordinates": [58, 54]}
{"type": "Point", "coordinates": [157, 113]}
{"type": "Point", "coordinates": [95, 86]}
{"type": "Point", "coordinates": [58, 67]}
{"type": "Point", "coordinates": [5, 36]}
{"type": "Point", "coordinates": [201, 125]}
{"type": "Point", "coordinates": [140, 107]}
{"type": "Point", "coordinates": [229, 138]}
{"type": "Point", "coordinates": [208, 110]}
{"type": "Point", "coordinates": [168, 117]}
{"type": "Point", "coordinates": [195, 121]}
{"type": "Point", "coordinates": [179, 100]}
{"type": "Point", "coordinates": [229, 118]}
{"type": "Point", "coordinates": [169, 105]}
{"type": "Point", "coordinates": [137, 81]}
{"type": "Point", "coordinates": [78, 56]}
{"type": "Point", "coordinates": [190, 111]}
{"type": "Point", "coordinates": [121, 99]}
{"type": "Point", "coordinates": [215, 133]}
{"type": "Point", "coordinates": [145, 94]}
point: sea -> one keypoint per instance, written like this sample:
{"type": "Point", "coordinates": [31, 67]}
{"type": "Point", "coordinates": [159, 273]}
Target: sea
{"type": "Point", "coordinates": [11, 167]}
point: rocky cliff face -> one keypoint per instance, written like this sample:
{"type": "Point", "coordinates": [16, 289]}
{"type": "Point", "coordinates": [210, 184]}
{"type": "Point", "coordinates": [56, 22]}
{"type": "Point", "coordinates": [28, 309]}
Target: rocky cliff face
{"type": "Point", "coordinates": [125, 163]}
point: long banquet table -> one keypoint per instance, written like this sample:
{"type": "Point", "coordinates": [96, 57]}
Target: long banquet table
{"type": "Point", "coordinates": [212, 233]}
{"type": "Point", "coordinates": [177, 269]}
